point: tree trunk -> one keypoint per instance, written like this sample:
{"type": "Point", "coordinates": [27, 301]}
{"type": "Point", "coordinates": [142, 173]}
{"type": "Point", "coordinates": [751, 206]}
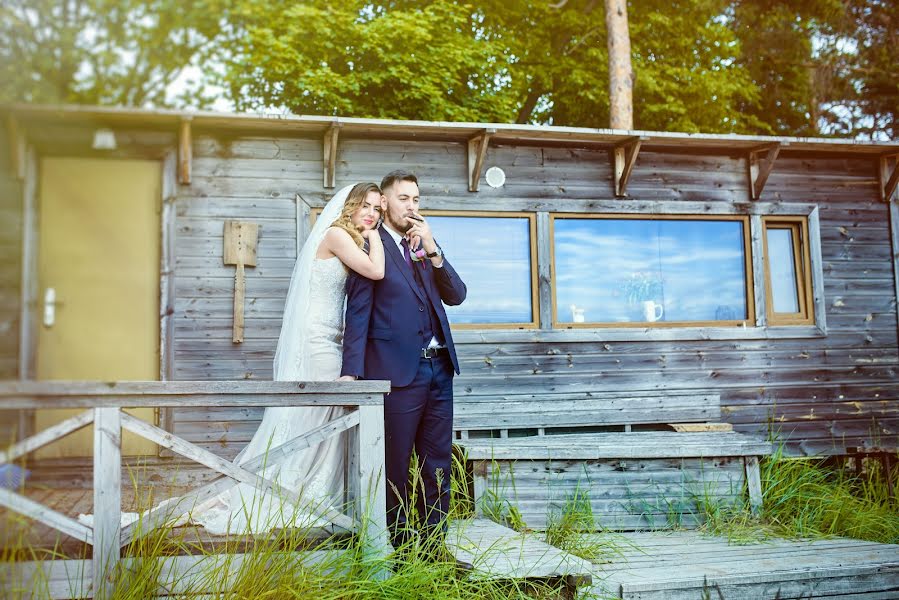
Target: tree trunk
{"type": "Point", "coordinates": [621, 75]}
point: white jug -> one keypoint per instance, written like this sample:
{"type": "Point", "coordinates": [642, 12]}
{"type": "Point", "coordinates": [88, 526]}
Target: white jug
{"type": "Point", "coordinates": [651, 311]}
{"type": "Point", "coordinates": [577, 314]}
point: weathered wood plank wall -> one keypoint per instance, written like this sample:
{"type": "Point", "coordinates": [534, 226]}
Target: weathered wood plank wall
{"type": "Point", "coordinates": [11, 216]}
{"type": "Point", "coordinates": [821, 393]}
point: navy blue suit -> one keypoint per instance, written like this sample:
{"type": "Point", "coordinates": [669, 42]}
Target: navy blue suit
{"type": "Point", "coordinates": [388, 323]}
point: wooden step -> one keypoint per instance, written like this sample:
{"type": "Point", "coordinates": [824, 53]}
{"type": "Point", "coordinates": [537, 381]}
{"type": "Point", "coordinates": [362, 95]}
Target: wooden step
{"type": "Point", "coordinates": [614, 445]}
{"type": "Point", "coordinates": [687, 565]}
{"type": "Point", "coordinates": [497, 552]}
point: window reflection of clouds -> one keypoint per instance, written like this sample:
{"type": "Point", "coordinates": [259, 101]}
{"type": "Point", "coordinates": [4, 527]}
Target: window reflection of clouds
{"type": "Point", "coordinates": [609, 267]}
{"type": "Point", "coordinates": [783, 272]}
{"type": "Point", "coordinates": [493, 257]}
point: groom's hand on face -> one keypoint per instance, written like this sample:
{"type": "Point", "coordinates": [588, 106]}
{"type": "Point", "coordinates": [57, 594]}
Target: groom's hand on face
{"type": "Point", "coordinates": [422, 230]}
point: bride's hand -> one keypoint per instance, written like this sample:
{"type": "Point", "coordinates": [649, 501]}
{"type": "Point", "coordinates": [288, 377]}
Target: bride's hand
{"type": "Point", "coordinates": [346, 378]}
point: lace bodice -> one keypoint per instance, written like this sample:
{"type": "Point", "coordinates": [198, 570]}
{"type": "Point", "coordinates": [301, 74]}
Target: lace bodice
{"type": "Point", "coordinates": [327, 294]}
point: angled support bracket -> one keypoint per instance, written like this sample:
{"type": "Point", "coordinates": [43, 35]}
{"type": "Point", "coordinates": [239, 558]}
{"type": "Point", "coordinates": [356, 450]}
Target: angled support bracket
{"type": "Point", "coordinates": [623, 156]}
{"type": "Point", "coordinates": [889, 175]}
{"type": "Point", "coordinates": [760, 167]}
{"type": "Point", "coordinates": [185, 151]}
{"type": "Point", "coordinates": [17, 146]}
{"type": "Point", "coordinates": [329, 158]}
{"type": "Point", "coordinates": [477, 152]}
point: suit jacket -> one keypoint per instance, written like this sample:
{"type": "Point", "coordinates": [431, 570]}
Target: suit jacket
{"type": "Point", "coordinates": [383, 335]}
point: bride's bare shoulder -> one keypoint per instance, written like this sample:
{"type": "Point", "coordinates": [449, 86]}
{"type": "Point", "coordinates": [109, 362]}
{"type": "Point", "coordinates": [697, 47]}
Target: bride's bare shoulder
{"type": "Point", "coordinates": [336, 233]}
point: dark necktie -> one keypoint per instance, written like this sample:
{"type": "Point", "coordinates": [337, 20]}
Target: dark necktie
{"type": "Point", "coordinates": [406, 254]}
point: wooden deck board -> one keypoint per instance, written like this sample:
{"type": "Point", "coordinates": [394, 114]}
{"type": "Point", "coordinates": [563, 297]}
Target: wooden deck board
{"type": "Point", "coordinates": [497, 552]}
{"type": "Point", "coordinates": [676, 565]}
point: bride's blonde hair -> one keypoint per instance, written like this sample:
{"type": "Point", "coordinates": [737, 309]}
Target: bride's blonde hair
{"type": "Point", "coordinates": [354, 200]}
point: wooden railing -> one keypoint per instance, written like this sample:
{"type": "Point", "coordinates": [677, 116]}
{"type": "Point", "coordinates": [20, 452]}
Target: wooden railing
{"type": "Point", "coordinates": [363, 421]}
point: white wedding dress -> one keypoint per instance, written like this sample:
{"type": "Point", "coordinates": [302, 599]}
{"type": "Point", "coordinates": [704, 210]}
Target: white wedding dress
{"type": "Point", "coordinates": [317, 472]}
{"type": "Point", "coordinates": [310, 348]}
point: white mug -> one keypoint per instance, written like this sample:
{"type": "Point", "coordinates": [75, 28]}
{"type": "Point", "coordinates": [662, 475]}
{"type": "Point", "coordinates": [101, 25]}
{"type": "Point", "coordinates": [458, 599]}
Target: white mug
{"type": "Point", "coordinates": [577, 314]}
{"type": "Point", "coordinates": [649, 311]}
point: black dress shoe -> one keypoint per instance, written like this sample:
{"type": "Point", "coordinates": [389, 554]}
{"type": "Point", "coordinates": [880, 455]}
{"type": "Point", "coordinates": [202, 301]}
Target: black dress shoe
{"type": "Point", "coordinates": [463, 567]}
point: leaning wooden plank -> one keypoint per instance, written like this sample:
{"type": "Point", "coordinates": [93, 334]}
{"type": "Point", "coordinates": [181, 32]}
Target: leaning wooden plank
{"type": "Point", "coordinates": [47, 516]}
{"type": "Point", "coordinates": [497, 552]}
{"type": "Point", "coordinates": [170, 511]}
{"type": "Point", "coordinates": [107, 498]}
{"type": "Point", "coordinates": [219, 464]}
{"type": "Point", "coordinates": [47, 436]}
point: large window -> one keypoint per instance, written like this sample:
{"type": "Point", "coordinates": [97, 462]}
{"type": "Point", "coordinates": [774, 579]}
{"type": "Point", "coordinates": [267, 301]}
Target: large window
{"type": "Point", "coordinates": [494, 254]}
{"type": "Point", "coordinates": [623, 270]}
{"type": "Point", "coordinates": [634, 274]}
{"type": "Point", "coordinates": [788, 294]}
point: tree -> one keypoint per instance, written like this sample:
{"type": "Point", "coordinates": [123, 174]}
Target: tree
{"type": "Point", "coordinates": [503, 60]}
{"type": "Point", "coordinates": [621, 75]}
{"type": "Point", "coordinates": [778, 49]}
{"type": "Point", "coordinates": [861, 59]}
{"type": "Point", "coordinates": [408, 60]}
{"type": "Point", "coordinates": [121, 52]}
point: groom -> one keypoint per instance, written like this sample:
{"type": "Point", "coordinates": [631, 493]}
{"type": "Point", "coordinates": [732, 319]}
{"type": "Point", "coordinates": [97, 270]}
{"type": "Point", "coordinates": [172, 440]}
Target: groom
{"type": "Point", "coordinates": [397, 329]}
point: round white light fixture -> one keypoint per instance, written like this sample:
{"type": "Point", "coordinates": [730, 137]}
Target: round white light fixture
{"type": "Point", "coordinates": [495, 177]}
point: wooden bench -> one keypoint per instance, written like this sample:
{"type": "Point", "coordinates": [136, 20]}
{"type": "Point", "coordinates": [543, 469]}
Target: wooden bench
{"type": "Point", "coordinates": [645, 460]}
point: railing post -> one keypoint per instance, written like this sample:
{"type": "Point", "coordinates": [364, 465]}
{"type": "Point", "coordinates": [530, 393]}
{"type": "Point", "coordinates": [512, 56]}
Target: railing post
{"type": "Point", "coordinates": [370, 499]}
{"type": "Point", "coordinates": [107, 499]}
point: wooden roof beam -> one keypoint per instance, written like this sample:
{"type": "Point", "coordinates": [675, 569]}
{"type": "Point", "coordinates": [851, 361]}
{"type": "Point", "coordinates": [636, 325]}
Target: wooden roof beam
{"type": "Point", "coordinates": [477, 153]}
{"type": "Point", "coordinates": [760, 168]}
{"type": "Point", "coordinates": [623, 156]}
{"type": "Point", "coordinates": [889, 180]}
{"type": "Point", "coordinates": [329, 157]}
{"type": "Point", "coordinates": [17, 146]}
{"type": "Point", "coordinates": [185, 151]}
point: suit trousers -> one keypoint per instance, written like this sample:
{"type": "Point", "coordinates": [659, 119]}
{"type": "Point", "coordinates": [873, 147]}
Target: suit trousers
{"type": "Point", "coordinates": [419, 416]}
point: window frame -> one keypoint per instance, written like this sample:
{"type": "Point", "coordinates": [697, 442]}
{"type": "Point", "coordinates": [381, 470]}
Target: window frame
{"type": "Point", "coordinates": [798, 227]}
{"type": "Point", "coordinates": [749, 279]}
{"type": "Point", "coordinates": [532, 233]}
{"type": "Point", "coordinates": [543, 209]}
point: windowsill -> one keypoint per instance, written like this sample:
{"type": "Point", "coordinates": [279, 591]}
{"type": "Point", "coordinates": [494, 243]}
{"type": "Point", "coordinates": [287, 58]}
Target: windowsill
{"type": "Point", "coordinates": [636, 334]}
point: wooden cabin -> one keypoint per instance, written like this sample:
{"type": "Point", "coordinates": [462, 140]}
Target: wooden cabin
{"type": "Point", "coordinates": [760, 269]}
{"type": "Point", "coordinates": [726, 289]}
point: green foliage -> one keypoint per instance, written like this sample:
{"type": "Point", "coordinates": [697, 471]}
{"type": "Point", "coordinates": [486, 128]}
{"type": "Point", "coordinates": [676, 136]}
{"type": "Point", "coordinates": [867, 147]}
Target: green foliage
{"type": "Point", "coordinates": [570, 526]}
{"type": "Point", "coordinates": [494, 503]}
{"type": "Point", "coordinates": [411, 60]}
{"type": "Point", "coordinates": [718, 66]}
{"type": "Point", "coordinates": [809, 499]}
{"type": "Point", "coordinates": [861, 62]}
{"type": "Point", "coordinates": [121, 52]}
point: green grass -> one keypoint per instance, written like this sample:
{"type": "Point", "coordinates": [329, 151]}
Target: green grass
{"type": "Point", "coordinates": [287, 564]}
{"type": "Point", "coordinates": [572, 528]}
{"type": "Point", "coordinates": [807, 498]}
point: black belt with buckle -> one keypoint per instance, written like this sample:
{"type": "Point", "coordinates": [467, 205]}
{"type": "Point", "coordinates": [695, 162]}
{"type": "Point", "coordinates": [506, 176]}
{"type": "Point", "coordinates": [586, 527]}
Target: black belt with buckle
{"type": "Point", "coordinates": [432, 352]}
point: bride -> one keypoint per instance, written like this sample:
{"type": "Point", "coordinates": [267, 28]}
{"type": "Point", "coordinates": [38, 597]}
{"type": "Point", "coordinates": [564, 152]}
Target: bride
{"type": "Point", "coordinates": [309, 349]}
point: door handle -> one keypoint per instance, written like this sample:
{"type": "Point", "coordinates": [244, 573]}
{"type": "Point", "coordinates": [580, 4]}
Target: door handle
{"type": "Point", "coordinates": [49, 307]}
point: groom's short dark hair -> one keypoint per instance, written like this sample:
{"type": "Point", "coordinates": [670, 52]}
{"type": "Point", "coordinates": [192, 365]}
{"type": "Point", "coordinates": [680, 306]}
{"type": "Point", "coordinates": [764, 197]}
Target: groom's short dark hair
{"type": "Point", "coordinates": [396, 176]}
